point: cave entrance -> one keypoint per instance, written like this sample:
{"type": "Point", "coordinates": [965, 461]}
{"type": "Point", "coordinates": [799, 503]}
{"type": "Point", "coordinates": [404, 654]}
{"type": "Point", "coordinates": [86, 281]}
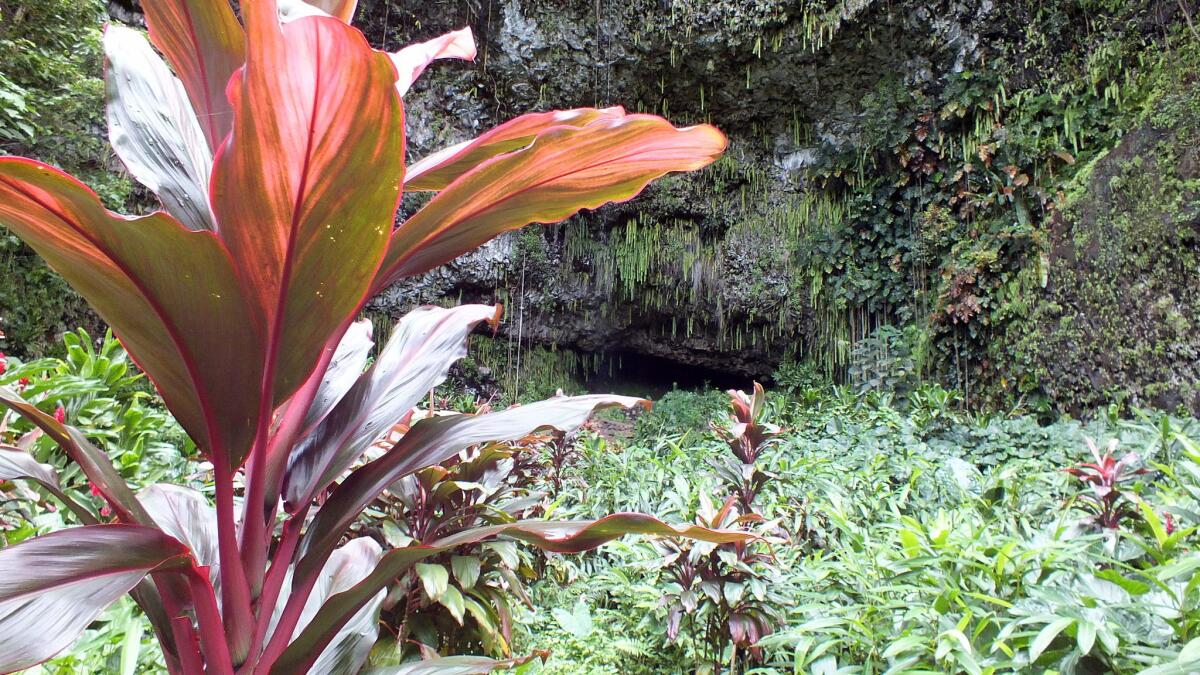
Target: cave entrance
{"type": "Point", "coordinates": [633, 374]}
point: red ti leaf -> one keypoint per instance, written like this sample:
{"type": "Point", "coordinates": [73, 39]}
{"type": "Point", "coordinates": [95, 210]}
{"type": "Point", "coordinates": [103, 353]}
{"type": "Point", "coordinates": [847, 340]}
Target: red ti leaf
{"type": "Point", "coordinates": [171, 294]}
{"type": "Point", "coordinates": [442, 167]}
{"type": "Point", "coordinates": [342, 9]}
{"type": "Point", "coordinates": [304, 193]}
{"type": "Point", "coordinates": [345, 367]}
{"type": "Point", "coordinates": [53, 586]}
{"type": "Point", "coordinates": [153, 128]}
{"type": "Point", "coordinates": [426, 342]}
{"type": "Point", "coordinates": [411, 61]}
{"type": "Point", "coordinates": [204, 42]}
{"type": "Point", "coordinates": [348, 566]}
{"type": "Point", "coordinates": [565, 170]}
{"type": "Point", "coordinates": [186, 515]}
{"type": "Point", "coordinates": [17, 464]}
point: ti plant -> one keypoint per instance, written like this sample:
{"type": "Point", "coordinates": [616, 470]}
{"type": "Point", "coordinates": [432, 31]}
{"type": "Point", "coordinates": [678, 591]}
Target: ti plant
{"type": "Point", "coordinates": [460, 600]}
{"type": "Point", "coordinates": [275, 142]}
{"type": "Point", "coordinates": [1106, 478]}
{"type": "Point", "coordinates": [723, 589]}
{"type": "Point", "coordinates": [746, 437]}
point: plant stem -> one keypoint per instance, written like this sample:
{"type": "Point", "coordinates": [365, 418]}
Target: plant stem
{"type": "Point", "coordinates": [235, 594]}
{"type": "Point", "coordinates": [189, 648]}
{"type": "Point", "coordinates": [287, 624]}
{"type": "Point", "coordinates": [275, 576]}
{"type": "Point", "coordinates": [183, 634]}
{"type": "Point", "coordinates": [265, 473]}
{"type": "Point", "coordinates": [212, 633]}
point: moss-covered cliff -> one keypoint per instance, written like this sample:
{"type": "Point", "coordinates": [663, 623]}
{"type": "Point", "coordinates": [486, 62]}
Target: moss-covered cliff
{"type": "Point", "coordinates": [1120, 314]}
{"type": "Point", "coordinates": [900, 179]}
{"type": "Point", "coordinates": [998, 196]}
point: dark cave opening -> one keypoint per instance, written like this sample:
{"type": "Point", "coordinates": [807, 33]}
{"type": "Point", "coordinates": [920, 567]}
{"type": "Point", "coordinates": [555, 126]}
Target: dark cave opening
{"type": "Point", "coordinates": [634, 374]}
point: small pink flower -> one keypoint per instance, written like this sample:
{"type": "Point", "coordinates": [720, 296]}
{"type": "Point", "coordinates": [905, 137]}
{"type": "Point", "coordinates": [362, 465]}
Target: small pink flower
{"type": "Point", "coordinates": [23, 382]}
{"type": "Point", "coordinates": [1169, 523]}
{"type": "Point", "coordinates": [60, 414]}
{"type": "Point", "coordinates": [94, 489]}
{"type": "Point", "coordinates": [105, 511]}
{"type": "Point", "coordinates": [3, 363]}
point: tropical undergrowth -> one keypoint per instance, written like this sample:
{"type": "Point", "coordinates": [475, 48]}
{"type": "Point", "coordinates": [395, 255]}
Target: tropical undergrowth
{"type": "Point", "coordinates": [900, 534]}
{"type": "Point", "coordinates": [918, 539]}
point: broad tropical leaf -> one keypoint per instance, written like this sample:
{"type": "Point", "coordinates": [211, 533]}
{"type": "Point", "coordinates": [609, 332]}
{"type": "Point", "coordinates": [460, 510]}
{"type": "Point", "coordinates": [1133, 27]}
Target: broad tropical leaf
{"type": "Point", "coordinates": [426, 342]}
{"type": "Point", "coordinates": [17, 464]}
{"type": "Point", "coordinates": [154, 130]}
{"type": "Point", "coordinates": [342, 9]}
{"type": "Point", "coordinates": [304, 194]}
{"type": "Point", "coordinates": [441, 168]}
{"type": "Point", "coordinates": [348, 566]}
{"type": "Point", "coordinates": [345, 368]}
{"type": "Point", "coordinates": [290, 10]}
{"type": "Point", "coordinates": [204, 42]}
{"type": "Point", "coordinates": [560, 537]}
{"type": "Point", "coordinates": [53, 586]}
{"type": "Point", "coordinates": [186, 515]}
{"type": "Point", "coordinates": [171, 294]}
{"type": "Point", "coordinates": [565, 170]}
{"type": "Point", "coordinates": [432, 441]}
{"type": "Point", "coordinates": [411, 61]}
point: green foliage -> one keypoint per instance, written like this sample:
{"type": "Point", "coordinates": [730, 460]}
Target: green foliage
{"type": "Point", "coordinates": [52, 108]}
{"type": "Point", "coordinates": [462, 601]}
{"type": "Point", "coordinates": [1118, 320]}
{"type": "Point", "coordinates": [681, 412]}
{"type": "Point", "coordinates": [101, 394]}
{"type": "Point", "coordinates": [927, 540]}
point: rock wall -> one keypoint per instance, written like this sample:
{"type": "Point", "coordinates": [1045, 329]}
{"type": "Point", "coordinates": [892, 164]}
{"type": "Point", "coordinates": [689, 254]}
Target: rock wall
{"type": "Point", "coordinates": [892, 165]}
{"type": "Point", "coordinates": [1120, 316]}
{"type": "Point", "coordinates": [995, 196]}
{"type": "Point", "coordinates": [700, 269]}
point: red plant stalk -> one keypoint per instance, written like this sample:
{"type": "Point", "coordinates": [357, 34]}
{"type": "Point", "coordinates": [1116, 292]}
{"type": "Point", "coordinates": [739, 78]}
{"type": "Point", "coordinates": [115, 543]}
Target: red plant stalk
{"type": "Point", "coordinates": [212, 633]}
{"type": "Point", "coordinates": [235, 592]}
{"type": "Point", "coordinates": [264, 473]}
{"type": "Point", "coordinates": [276, 575]}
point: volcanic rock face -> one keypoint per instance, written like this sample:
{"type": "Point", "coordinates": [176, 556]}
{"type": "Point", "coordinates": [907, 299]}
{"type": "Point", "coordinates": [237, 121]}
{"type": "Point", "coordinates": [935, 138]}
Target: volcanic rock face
{"type": "Point", "coordinates": [708, 276]}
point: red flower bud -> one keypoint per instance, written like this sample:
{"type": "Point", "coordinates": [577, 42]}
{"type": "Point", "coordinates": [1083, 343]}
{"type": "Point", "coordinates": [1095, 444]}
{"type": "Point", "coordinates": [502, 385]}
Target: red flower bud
{"type": "Point", "coordinates": [60, 414]}
{"type": "Point", "coordinates": [3, 363]}
{"type": "Point", "coordinates": [23, 382]}
{"type": "Point", "coordinates": [94, 488]}
{"type": "Point", "coordinates": [1168, 523]}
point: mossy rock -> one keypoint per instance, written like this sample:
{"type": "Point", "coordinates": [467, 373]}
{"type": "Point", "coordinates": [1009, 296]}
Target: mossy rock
{"type": "Point", "coordinates": [1120, 315]}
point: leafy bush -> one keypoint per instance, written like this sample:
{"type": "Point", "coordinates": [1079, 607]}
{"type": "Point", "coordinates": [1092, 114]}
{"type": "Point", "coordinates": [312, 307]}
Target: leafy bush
{"type": "Point", "coordinates": [681, 411]}
{"type": "Point", "coordinates": [51, 107]}
{"type": "Point", "coordinates": [727, 593]}
{"type": "Point", "coordinates": [460, 601]}
{"type": "Point", "coordinates": [96, 389]}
